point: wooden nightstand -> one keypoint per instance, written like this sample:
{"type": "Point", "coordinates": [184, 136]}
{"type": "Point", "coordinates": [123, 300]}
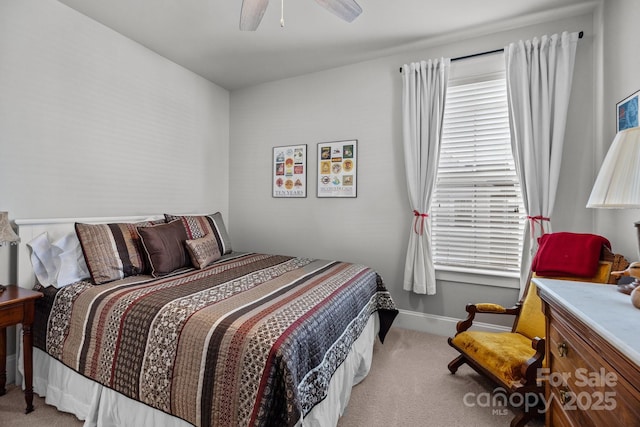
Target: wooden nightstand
{"type": "Point", "coordinates": [17, 305]}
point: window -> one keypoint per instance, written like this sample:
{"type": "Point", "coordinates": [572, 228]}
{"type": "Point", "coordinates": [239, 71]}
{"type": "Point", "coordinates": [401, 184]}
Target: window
{"type": "Point", "coordinates": [477, 206]}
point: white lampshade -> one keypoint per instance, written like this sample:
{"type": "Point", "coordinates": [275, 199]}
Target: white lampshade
{"type": "Point", "coordinates": [618, 182]}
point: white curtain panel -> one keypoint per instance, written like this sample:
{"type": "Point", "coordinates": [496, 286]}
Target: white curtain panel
{"type": "Point", "coordinates": [539, 76]}
{"type": "Point", "coordinates": [424, 91]}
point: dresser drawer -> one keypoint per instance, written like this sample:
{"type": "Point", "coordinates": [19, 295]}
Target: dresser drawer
{"type": "Point", "coordinates": [557, 417]}
{"type": "Point", "coordinates": [561, 416]}
{"type": "Point", "coordinates": [568, 352]}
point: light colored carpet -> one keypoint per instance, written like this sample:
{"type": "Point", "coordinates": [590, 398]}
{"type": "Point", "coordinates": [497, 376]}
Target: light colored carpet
{"type": "Point", "coordinates": [409, 385]}
{"type": "Point", "coordinates": [12, 414]}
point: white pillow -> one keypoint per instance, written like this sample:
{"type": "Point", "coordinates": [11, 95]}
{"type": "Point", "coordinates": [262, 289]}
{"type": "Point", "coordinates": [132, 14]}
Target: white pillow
{"type": "Point", "coordinates": [69, 260]}
{"type": "Point", "coordinates": [58, 264]}
{"type": "Point", "coordinates": [42, 259]}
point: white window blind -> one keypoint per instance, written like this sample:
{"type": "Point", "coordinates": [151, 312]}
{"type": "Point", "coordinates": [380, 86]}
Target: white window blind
{"type": "Point", "coordinates": [477, 206]}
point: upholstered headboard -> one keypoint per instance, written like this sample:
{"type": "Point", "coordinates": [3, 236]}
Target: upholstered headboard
{"type": "Point", "coordinates": [56, 228]}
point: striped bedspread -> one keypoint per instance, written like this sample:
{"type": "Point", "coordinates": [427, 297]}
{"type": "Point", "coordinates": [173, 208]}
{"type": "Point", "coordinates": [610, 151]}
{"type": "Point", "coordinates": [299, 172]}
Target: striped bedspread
{"type": "Point", "coordinates": [251, 340]}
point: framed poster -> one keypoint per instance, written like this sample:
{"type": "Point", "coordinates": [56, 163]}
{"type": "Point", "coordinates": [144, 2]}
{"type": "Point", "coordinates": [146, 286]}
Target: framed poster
{"type": "Point", "coordinates": [289, 175]}
{"type": "Point", "coordinates": [337, 169]}
{"type": "Point", "coordinates": [627, 112]}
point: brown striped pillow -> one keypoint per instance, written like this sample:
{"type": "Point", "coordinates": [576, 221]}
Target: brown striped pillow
{"type": "Point", "coordinates": [198, 226]}
{"type": "Point", "coordinates": [203, 251]}
{"type": "Point", "coordinates": [113, 251]}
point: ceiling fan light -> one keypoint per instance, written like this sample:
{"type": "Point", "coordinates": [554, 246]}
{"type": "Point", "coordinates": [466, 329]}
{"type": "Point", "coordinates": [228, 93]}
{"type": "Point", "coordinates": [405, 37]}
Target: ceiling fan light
{"type": "Point", "coordinates": [252, 13]}
{"type": "Point", "coordinates": [344, 9]}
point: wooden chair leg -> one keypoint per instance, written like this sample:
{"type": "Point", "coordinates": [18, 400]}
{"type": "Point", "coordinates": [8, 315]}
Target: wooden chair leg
{"type": "Point", "coordinates": [521, 419]}
{"type": "Point", "coordinates": [456, 363]}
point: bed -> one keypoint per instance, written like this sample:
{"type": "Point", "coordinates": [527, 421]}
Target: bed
{"type": "Point", "coordinates": [245, 339]}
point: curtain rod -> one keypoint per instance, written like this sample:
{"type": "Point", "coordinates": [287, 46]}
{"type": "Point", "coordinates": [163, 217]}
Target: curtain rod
{"type": "Point", "coordinates": [489, 52]}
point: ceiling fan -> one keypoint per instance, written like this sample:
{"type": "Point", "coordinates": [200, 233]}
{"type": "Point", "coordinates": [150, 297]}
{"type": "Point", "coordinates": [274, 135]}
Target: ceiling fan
{"type": "Point", "coordinates": [252, 11]}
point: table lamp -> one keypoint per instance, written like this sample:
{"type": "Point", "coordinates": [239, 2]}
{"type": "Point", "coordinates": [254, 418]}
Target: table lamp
{"type": "Point", "coordinates": [7, 235]}
{"type": "Point", "coordinates": [618, 184]}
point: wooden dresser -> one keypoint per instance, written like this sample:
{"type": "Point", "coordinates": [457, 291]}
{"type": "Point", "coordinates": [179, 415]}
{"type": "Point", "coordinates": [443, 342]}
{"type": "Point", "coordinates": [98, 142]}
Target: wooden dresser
{"type": "Point", "coordinates": [592, 355]}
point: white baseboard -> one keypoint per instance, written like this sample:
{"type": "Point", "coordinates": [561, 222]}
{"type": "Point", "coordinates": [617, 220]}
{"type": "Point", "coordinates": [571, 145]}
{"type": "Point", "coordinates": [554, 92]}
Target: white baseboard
{"type": "Point", "coordinates": [438, 325]}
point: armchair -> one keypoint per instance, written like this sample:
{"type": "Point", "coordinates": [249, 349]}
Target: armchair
{"type": "Point", "coordinates": [512, 359]}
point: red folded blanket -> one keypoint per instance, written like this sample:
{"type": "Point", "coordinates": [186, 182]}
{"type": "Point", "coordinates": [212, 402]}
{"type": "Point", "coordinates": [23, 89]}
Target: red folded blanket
{"type": "Point", "coordinates": [568, 254]}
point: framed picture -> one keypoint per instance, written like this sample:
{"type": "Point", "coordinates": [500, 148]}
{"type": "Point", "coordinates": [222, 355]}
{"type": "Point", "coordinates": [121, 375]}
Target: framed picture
{"type": "Point", "coordinates": [289, 174]}
{"type": "Point", "coordinates": [337, 169]}
{"type": "Point", "coordinates": [627, 112]}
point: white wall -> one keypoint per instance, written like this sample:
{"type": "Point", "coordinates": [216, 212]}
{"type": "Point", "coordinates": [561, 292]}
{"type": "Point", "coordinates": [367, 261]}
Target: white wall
{"type": "Point", "coordinates": [621, 79]}
{"type": "Point", "coordinates": [362, 102]}
{"type": "Point", "coordinates": [94, 124]}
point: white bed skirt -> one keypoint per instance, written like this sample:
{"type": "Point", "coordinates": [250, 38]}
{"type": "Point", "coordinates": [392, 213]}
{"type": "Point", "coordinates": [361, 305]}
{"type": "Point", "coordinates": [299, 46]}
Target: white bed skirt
{"type": "Point", "coordinates": [100, 406]}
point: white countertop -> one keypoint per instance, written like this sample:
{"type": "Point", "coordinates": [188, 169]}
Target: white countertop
{"type": "Point", "coordinates": [607, 311]}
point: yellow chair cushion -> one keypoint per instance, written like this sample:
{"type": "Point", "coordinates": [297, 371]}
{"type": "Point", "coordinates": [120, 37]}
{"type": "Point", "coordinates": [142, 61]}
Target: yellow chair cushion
{"type": "Point", "coordinates": [501, 353]}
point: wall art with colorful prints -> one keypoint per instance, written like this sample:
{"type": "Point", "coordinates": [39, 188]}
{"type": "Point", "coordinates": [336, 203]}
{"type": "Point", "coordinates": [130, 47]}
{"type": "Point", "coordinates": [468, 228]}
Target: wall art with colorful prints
{"type": "Point", "coordinates": [337, 166]}
{"type": "Point", "coordinates": [289, 177]}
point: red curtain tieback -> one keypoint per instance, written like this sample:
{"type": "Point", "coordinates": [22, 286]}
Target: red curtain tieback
{"type": "Point", "coordinates": [538, 219]}
{"type": "Point", "coordinates": [419, 217]}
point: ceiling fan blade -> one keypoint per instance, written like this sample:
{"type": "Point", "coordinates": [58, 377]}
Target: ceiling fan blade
{"type": "Point", "coordinates": [251, 14]}
{"type": "Point", "coordinates": [345, 9]}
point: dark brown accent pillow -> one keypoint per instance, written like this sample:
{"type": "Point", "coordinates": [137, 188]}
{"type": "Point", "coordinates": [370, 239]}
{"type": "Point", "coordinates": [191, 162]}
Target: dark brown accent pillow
{"type": "Point", "coordinates": [203, 251]}
{"type": "Point", "coordinates": [164, 246]}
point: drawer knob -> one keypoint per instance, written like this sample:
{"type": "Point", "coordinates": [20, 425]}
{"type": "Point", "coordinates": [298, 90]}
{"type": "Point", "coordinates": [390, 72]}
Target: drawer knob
{"type": "Point", "coordinates": [565, 396]}
{"type": "Point", "coordinates": [563, 349]}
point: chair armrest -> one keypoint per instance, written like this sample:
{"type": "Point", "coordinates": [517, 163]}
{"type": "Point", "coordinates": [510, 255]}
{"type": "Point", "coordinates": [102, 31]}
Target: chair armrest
{"type": "Point", "coordinates": [530, 370]}
{"type": "Point", "coordinates": [490, 308]}
{"type": "Point", "coordinates": [472, 309]}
